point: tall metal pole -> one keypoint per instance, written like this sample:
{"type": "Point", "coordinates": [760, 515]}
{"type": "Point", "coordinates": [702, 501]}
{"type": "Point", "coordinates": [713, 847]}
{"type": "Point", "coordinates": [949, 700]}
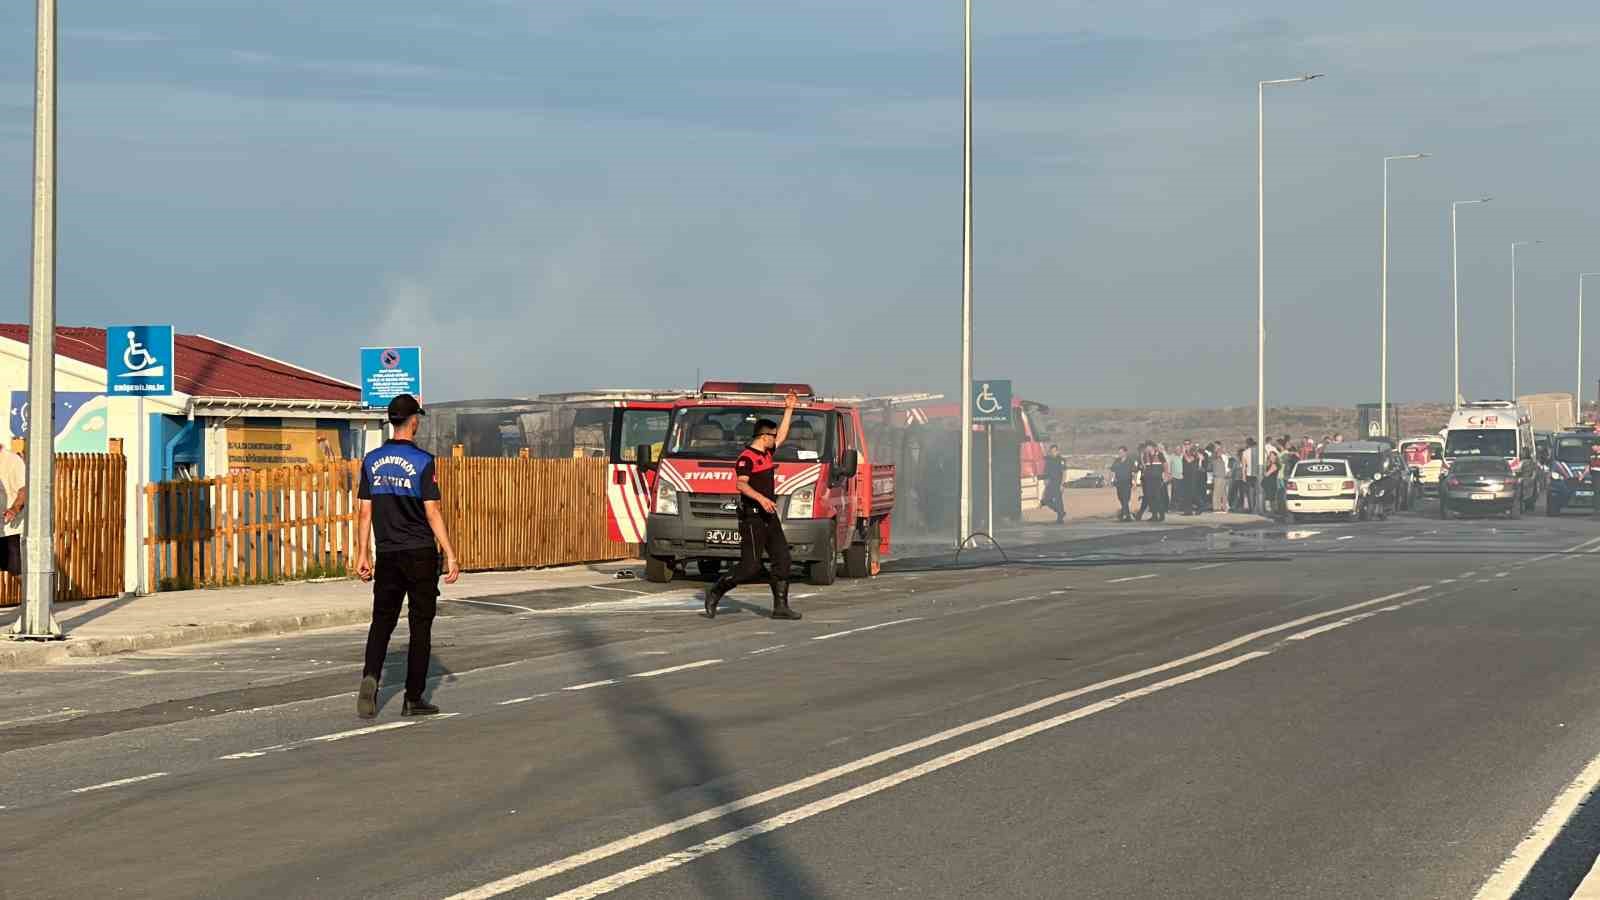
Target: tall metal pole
{"type": "Point", "coordinates": [1383, 314]}
{"type": "Point", "coordinates": [966, 281]}
{"type": "Point", "coordinates": [1455, 293]}
{"type": "Point", "coordinates": [38, 586]}
{"type": "Point", "coordinates": [1261, 280]}
{"type": "Point", "coordinates": [1577, 398]}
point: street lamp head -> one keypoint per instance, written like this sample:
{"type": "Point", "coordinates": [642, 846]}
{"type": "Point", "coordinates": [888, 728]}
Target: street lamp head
{"type": "Point", "coordinates": [1310, 77]}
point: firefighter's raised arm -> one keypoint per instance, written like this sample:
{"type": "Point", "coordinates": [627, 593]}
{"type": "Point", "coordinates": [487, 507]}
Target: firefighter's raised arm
{"type": "Point", "coordinates": [789, 403]}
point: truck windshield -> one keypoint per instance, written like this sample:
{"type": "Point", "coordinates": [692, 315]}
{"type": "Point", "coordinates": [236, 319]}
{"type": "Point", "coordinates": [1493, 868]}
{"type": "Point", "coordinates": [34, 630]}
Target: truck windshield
{"type": "Point", "coordinates": [722, 432]}
{"type": "Point", "coordinates": [1500, 442]}
{"type": "Point", "coordinates": [1575, 450]}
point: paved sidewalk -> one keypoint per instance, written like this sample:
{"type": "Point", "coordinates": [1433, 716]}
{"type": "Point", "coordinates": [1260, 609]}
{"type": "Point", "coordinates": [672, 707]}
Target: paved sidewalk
{"type": "Point", "coordinates": [122, 625]}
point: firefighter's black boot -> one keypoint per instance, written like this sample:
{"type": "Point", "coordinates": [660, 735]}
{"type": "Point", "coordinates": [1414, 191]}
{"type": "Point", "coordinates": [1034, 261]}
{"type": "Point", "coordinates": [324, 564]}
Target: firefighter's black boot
{"type": "Point", "coordinates": [714, 595]}
{"type": "Point", "coordinates": [780, 602]}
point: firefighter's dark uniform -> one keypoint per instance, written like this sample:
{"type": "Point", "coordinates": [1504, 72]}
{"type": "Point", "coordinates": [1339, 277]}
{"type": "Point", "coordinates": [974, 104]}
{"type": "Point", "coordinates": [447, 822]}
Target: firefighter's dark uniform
{"type": "Point", "coordinates": [758, 530]}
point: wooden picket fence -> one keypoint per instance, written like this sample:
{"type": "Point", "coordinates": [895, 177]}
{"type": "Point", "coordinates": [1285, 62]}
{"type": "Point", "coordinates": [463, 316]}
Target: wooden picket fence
{"type": "Point", "coordinates": [89, 506]}
{"type": "Point", "coordinates": [522, 513]}
{"type": "Point", "coordinates": [298, 522]}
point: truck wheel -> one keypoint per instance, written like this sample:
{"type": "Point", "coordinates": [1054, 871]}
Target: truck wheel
{"type": "Point", "coordinates": [825, 570]}
{"type": "Point", "coordinates": [657, 571]}
{"type": "Point", "coordinates": [855, 561]}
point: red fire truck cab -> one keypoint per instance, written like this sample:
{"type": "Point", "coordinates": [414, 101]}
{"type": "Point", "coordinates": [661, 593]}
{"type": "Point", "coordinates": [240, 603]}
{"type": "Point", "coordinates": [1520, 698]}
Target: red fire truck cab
{"type": "Point", "coordinates": [833, 499]}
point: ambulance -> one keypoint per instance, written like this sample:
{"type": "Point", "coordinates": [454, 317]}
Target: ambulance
{"type": "Point", "coordinates": [1495, 428]}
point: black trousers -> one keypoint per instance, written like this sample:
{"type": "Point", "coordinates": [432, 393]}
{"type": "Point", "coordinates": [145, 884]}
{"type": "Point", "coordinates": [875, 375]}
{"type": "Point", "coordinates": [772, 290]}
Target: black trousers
{"type": "Point", "coordinates": [1124, 495]}
{"type": "Point", "coordinates": [411, 575]}
{"type": "Point", "coordinates": [759, 532]}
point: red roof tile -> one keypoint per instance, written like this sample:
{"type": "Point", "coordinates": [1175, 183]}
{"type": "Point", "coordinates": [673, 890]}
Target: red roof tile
{"type": "Point", "coordinates": [207, 367]}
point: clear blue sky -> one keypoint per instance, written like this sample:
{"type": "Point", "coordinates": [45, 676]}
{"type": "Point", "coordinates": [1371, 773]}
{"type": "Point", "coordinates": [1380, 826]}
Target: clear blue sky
{"type": "Point", "coordinates": [559, 196]}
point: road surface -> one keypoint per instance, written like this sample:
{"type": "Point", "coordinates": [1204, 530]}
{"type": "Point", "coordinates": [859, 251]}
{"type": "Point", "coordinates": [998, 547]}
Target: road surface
{"type": "Point", "coordinates": [1407, 709]}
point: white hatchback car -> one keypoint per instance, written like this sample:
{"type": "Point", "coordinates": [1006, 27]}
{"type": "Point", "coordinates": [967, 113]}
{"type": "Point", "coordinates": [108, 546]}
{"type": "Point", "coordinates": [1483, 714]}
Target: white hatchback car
{"type": "Point", "coordinates": [1322, 487]}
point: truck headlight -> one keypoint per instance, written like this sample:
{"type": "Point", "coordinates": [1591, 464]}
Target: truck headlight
{"type": "Point", "coordinates": [666, 500]}
{"type": "Point", "coordinates": [802, 503]}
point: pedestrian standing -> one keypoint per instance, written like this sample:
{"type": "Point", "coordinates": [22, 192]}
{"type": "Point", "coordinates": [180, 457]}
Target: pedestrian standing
{"type": "Point", "coordinates": [1219, 480]}
{"type": "Point", "coordinates": [760, 528]}
{"type": "Point", "coordinates": [399, 506]}
{"type": "Point", "coordinates": [1178, 498]}
{"type": "Point", "coordinates": [1269, 478]}
{"type": "Point", "coordinates": [1194, 478]}
{"type": "Point", "coordinates": [1122, 469]}
{"type": "Point", "coordinates": [1154, 476]}
{"type": "Point", "coordinates": [1252, 473]}
{"type": "Point", "coordinates": [1055, 470]}
{"type": "Point", "coordinates": [14, 495]}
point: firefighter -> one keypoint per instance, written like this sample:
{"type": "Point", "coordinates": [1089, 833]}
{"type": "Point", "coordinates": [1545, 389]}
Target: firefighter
{"type": "Point", "coordinates": [759, 525]}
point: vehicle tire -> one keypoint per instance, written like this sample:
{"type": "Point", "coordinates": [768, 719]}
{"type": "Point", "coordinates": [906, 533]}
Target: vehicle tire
{"type": "Point", "coordinates": [657, 570]}
{"type": "Point", "coordinates": [825, 571]}
{"type": "Point", "coordinates": [710, 568]}
{"type": "Point", "coordinates": [856, 563]}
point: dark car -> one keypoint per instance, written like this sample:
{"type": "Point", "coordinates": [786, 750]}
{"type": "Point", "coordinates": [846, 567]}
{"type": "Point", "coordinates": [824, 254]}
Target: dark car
{"type": "Point", "coordinates": [1483, 484]}
{"type": "Point", "coordinates": [1378, 468]}
{"type": "Point", "coordinates": [1570, 482]}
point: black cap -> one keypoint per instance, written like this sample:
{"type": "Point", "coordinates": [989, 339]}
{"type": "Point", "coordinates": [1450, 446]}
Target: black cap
{"type": "Point", "coordinates": [404, 407]}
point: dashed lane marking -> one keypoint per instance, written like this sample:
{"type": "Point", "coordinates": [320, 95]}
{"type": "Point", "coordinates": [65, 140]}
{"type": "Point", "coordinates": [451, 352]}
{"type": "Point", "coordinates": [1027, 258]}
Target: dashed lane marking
{"type": "Point", "coordinates": [1133, 578]}
{"type": "Point", "coordinates": [1206, 566]}
{"type": "Point", "coordinates": [119, 782]}
{"type": "Point", "coordinates": [590, 684]}
{"type": "Point", "coordinates": [683, 668]}
{"type": "Point", "coordinates": [767, 650]}
{"type": "Point", "coordinates": [829, 637]}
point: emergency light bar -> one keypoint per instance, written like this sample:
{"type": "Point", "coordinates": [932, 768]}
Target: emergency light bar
{"type": "Point", "coordinates": [755, 388]}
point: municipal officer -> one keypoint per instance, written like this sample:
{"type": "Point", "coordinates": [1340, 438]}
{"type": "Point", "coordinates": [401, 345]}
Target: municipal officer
{"type": "Point", "coordinates": [759, 525]}
{"type": "Point", "coordinates": [399, 497]}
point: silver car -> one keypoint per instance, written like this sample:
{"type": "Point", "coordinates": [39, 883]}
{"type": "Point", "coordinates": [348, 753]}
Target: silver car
{"type": "Point", "coordinates": [1482, 484]}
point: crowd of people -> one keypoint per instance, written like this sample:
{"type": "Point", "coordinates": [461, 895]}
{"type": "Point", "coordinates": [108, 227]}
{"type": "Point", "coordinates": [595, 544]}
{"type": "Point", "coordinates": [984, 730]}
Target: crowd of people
{"type": "Point", "coordinates": [1193, 479]}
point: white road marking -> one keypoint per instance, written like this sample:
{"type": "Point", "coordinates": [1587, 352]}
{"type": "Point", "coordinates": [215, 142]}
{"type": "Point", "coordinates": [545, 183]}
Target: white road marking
{"type": "Point", "coordinates": [829, 637]}
{"type": "Point", "coordinates": [591, 684]}
{"type": "Point", "coordinates": [490, 603]}
{"type": "Point", "coordinates": [799, 814]}
{"type": "Point", "coordinates": [1506, 879]}
{"type": "Point", "coordinates": [1348, 537]}
{"type": "Point", "coordinates": [44, 717]}
{"type": "Point", "coordinates": [1409, 537]}
{"type": "Point", "coordinates": [118, 783]}
{"type": "Point", "coordinates": [686, 666]}
{"type": "Point", "coordinates": [767, 650]}
{"type": "Point", "coordinates": [1468, 574]}
{"type": "Point", "coordinates": [358, 732]}
{"type": "Point", "coordinates": [515, 700]}
{"type": "Point", "coordinates": [634, 841]}
{"type": "Point", "coordinates": [1300, 535]}
{"type": "Point", "coordinates": [1501, 574]}
{"type": "Point", "coordinates": [1447, 581]}
{"type": "Point", "coordinates": [1350, 620]}
{"type": "Point", "coordinates": [619, 590]}
{"type": "Point", "coordinates": [1133, 578]}
{"type": "Point", "coordinates": [1206, 566]}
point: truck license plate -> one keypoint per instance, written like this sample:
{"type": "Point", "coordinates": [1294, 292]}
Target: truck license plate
{"type": "Point", "coordinates": [1583, 493]}
{"type": "Point", "coordinates": [722, 536]}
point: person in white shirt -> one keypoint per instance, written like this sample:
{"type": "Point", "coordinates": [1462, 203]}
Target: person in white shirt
{"type": "Point", "coordinates": [14, 494]}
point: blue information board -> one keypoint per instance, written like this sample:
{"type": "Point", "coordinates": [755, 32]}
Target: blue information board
{"type": "Point", "coordinates": [139, 360]}
{"type": "Point", "coordinates": [388, 372]}
{"type": "Point", "coordinates": [991, 402]}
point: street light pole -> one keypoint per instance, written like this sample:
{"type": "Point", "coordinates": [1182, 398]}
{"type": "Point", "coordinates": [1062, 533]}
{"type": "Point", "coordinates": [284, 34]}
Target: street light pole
{"type": "Point", "coordinates": [1455, 293]}
{"type": "Point", "coordinates": [1261, 279]}
{"type": "Point", "coordinates": [38, 588]}
{"type": "Point", "coordinates": [1383, 315]}
{"type": "Point", "coordinates": [1577, 398]}
{"type": "Point", "coordinates": [965, 524]}
{"type": "Point", "coordinates": [1514, 246]}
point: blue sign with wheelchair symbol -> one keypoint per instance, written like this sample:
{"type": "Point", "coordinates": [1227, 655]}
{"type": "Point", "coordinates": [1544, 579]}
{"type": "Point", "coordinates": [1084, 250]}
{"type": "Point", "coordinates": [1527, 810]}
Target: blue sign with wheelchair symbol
{"type": "Point", "coordinates": [139, 361]}
{"type": "Point", "coordinates": [991, 402]}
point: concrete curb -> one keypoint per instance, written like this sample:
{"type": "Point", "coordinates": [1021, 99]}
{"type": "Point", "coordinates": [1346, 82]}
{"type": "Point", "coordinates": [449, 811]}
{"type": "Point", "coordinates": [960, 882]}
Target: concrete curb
{"type": "Point", "coordinates": [22, 655]}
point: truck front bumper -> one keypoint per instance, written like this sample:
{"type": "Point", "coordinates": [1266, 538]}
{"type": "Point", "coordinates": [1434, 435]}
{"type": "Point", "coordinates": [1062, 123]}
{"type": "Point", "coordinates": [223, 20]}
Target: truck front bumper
{"type": "Point", "coordinates": [684, 537]}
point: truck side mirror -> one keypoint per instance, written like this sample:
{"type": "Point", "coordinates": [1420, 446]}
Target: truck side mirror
{"type": "Point", "coordinates": [645, 456]}
{"type": "Point", "coordinates": [849, 464]}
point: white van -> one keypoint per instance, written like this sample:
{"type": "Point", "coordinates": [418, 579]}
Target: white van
{"type": "Point", "coordinates": [1495, 428]}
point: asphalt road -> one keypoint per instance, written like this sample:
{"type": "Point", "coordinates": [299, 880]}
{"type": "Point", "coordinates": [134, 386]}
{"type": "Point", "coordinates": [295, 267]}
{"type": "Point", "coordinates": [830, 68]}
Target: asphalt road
{"type": "Point", "coordinates": [1394, 709]}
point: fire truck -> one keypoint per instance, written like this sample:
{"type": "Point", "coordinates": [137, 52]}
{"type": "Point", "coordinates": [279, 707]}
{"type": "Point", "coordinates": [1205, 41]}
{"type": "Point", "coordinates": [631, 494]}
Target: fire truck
{"type": "Point", "coordinates": [834, 499]}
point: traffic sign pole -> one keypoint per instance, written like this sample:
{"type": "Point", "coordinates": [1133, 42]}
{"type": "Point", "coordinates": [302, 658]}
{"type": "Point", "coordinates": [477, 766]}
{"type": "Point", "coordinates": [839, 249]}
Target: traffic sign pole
{"type": "Point", "coordinates": [38, 588]}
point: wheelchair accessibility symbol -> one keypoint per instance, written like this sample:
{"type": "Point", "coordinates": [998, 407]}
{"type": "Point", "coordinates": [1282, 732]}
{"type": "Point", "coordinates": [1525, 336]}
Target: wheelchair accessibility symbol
{"type": "Point", "coordinates": [138, 362]}
{"type": "Point", "coordinates": [991, 402]}
{"type": "Point", "coordinates": [987, 404]}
